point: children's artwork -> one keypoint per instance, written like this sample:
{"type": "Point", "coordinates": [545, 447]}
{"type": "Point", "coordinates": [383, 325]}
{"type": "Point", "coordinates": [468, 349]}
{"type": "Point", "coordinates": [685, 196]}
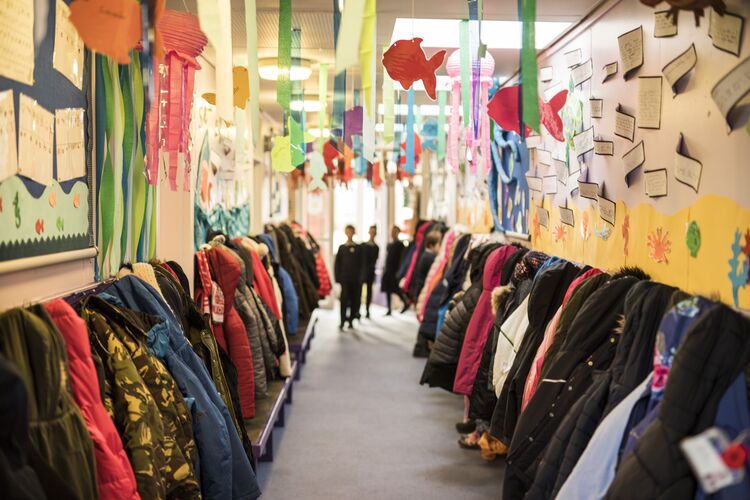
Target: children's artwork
{"type": "Point", "coordinates": [535, 184]}
{"type": "Point", "coordinates": [607, 210]}
{"type": "Point", "coordinates": [664, 25]}
{"type": "Point", "coordinates": [625, 234]}
{"type": "Point", "coordinates": [17, 40]}
{"type": "Point", "coordinates": [696, 6]}
{"type": "Point", "coordinates": [8, 152]}
{"type": "Point", "coordinates": [693, 238]}
{"type": "Point", "coordinates": [317, 172]}
{"type": "Point", "coordinates": [566, 216]}
{"type": "Point", "coordinates": [659, 245]}
{"type": "Point", "coordinates": [588, 190]}
{"type": "Point", "coordinates": [110, 27]}
{"type": "Point", "coordinates": [596, 106]}
{"type": "Point", "coordinates": [582, 72]}
{"type": "Point", "coordinates": [544, 157]}
{"type": "Point", "coordinates": [655, 182]}
{"type": "Point", "coordinates": [549, 184]}
{"type": "Point", "coordinates": [545, 74]}
{"type": "Point", "coordinates": [648, 114]}
{"type": "Point", "coordinates": [542, 215]}
{"type": "Point", "coordinates": [533, 141]}
{"type": "Point", "coordinates": [624, 124]}
{"type": "Point", "coordinates": [503, 108]}
{"type": "Point", "coordinates": [631, 51]}
{"type": "Point", "coordinates": [406, 63]}
{"type": "Point", "coordinates": [585, 226]}
{"type": "Point", "coordinates": [726, 31]}
{"type": "Point", "coordinates": [561, 171]}
{"type": "Point", "coordinates": [241, 90]}
{"type": "Point", "coordinates": [610, 70]}
{"type": "Point", "coordinates": [739, 272]}
{"type": "Point", "coordinates": [573, 58]}
{"type": "Point", "coordinates": [67, 56]}
{"type": "Point", "coordinates": [560, 233]}
{"type": "Point", "coordinates": [584, 142]}
{"type": "Point", "coordinates": [687, 170]}
{"type": "Point", "coordinates": [36, 127]}
{"type": "Point", "coordinates": [680, 66]}
{"type": "Point", "coordinates": [70, 149]}
{"type": "Point", "coordinates": [604, 148]}
{"type": "Point", "coordinates": [731, 88]}
{"type": "Point", "coordinates": [632, 160]}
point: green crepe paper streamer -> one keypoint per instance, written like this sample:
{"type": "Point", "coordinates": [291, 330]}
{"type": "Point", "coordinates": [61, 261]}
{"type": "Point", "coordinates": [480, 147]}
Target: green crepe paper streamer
{"type": "Point", "coordinates": [283, 84]}
{"type": "Point", "coordinates": [127, 155]}
{"type": "Point", "coordinates": [138, 188]}
{"type": "Point", "coordinates": [251, 33]}
{"type": "Point", "coordinates": [388, 103]}
{"type": "Point", "coordinates": [297, 92]}
{"type": "Point", "coordinates": [107, 181]}
{"type": "Point", "coordinates": [529, 90]}
{"type": "Point", "coordinates": [118, 160]}
{"type": "Point", "coordinates": [442, 99]}
{"type": "Point", "coordinates": [152, 221]}
{"type": "Point", "coordinates": [465, 75]}
{"type": "Point", "coordinates": [295, 135]}
{"type": "Point", "coordinates": [323, 97]}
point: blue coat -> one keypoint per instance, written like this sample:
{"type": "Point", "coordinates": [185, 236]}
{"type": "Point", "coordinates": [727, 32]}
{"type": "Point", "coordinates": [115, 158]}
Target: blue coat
{"type": "Point", "coordinates": [289, 294]}
{"type": "Point", "coordinates": [225, 471]}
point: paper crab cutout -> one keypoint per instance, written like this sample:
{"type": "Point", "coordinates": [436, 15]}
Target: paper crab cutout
{"type": "Point", "coordinates": [406, 63]}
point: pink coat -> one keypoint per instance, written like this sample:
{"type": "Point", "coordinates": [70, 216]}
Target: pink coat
{"type": "Point", "coordinates": [481, 321]}
{"type": "Point", "coordinates": [113, 471]}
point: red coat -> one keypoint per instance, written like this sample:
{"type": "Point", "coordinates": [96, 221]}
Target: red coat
{"type": "Point", "coordinates": [231, 334]}
{"type": "Point", "coordinates": [263, 285]}
{"type": "Point", "coordinates": [325, 281]}
{"type": "Point", "coordinates": [481, 321]}
{"type": "Point", "coordinates": [114, 473]}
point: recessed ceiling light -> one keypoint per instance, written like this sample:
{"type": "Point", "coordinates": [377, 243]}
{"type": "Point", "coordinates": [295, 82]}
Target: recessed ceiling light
{"type": "Point", "coordinates": [444, 33]}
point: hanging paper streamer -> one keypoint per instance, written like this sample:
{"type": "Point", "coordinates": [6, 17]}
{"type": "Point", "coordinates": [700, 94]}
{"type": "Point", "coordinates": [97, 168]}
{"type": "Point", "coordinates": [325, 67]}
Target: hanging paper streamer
{"type": "Point", "coordinates": [442, 94]}
{"type": "Point", "coordinates": [397, 133]}
{"type": "Point", "coordinates": [216, 23]}
{"type": "Point", "coordinates": [283, 84]}
{"type": "Point", "coordinates": [353, 122]}
{"type": "Point", "coordinates": [388, 95]}
{"type": "Point", "coordinates": [297, 96]}
{"type": "Point", "coordinates": [465, 76]}
{"type": "Point", "coordinates": [349, 33]}
{"type": "Point", "coordinates": [474, 41]}
{"type": "Point", "coordinates": [251, 34]}
{"type": "Point", "coordinates": [529, 93]}
{"type": "Point", "coordinates": [367, 56]}
{"type": "Point", "coordinates": [409, 165]}
{"type": "Point", "coordinates": [453, 67]}
{"type": "Point", "coordinates": [339, 83]}
{"type": "Point", "coordinates": [323, 98]}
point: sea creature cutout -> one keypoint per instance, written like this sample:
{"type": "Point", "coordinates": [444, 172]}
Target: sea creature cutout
{"type": "Point", "coordinates": [318, 171]}
{"type": "Point", "coordinates": [625, 234]}
{"type": "Point", "coordinates": [738, 273]}
{"type": "Point", "coordinates": [417, 150]}
{"type": "Point", "coordinates": [110, 27]}
{"type": "Point", "coordinates": [585, 226]}
{"type": "Point", "coordinates": [406, 63]}
{"type": "Point", "coordinates": [603, 232]}
{"type": "Point", "coordinates": [696, 6]}
{"type": "Point", "coordinates": [353, 119]}
{"type": "Point", "coordinates": [693, 238]}
{"type": "Point", "coordinates": [39, 226]}
{"type": "Point", "coordinates": [659, 245]}
{"type": "Point", "coordinates": [746, 250]}
{"type": "Point", "coordinates": [60, 224]}
{"type": "Point", "coordinates": [536, 226]}
{"type": "Point", "coordinates": [240, 91]}
{"type": "Point", "coordinates": [559, 233]}
{"type": "Point", "coordinates": [77, 200]}
{"type": "Point", "coordinates": [330, 153]}
{"type": "Point", "coordinates": [503, 108]}
{"type": "Point", "coordinates": [53, 199]}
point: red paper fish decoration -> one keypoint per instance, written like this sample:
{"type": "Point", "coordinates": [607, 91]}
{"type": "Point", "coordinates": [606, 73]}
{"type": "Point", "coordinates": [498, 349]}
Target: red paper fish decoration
{"type": "Point", "coordinates": [39, 226]}
{"type": "Point", "coordinates": [503, 108]}
{"type": "Point", "coordinates": [330, 153]}
{"type": "Point", "coordinates": [406, 63]}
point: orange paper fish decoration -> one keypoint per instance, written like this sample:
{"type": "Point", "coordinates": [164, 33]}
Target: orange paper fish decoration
{"type": "Point", "coordinates": [406, 63]}
{"type": "Point", "coordinates": [503, 108]}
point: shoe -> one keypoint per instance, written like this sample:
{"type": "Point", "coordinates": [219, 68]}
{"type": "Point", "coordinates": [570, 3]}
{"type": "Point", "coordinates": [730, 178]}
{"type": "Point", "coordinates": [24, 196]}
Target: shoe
{"type": "Point", "coordinates": [466, 427]}
{"type": "Point", "coordinates": [388, 313]}
{"type": "Point", "coordinates": [341, 326]}
{"type": "Point", "coordinates": [351, 325]}
{"type": "Point", "coordinates": [491, 447]}
{"type": "Point", "coordinates": [405, 308]}
{"type": "Point", "coordinates": [367, 315]}
{"type": "Point", "coordinates": [466, 443]}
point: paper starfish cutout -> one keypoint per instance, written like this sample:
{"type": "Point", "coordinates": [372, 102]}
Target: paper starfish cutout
{"type": "Point", "coordinates": [659, 245]}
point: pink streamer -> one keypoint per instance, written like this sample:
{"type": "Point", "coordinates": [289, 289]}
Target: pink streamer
{"type": "Point", "coordinates": [454, 124]}
{"type": "Point", "coordinates": [152, 130]}
{"type": "Point", "coordinates": [486, 153]}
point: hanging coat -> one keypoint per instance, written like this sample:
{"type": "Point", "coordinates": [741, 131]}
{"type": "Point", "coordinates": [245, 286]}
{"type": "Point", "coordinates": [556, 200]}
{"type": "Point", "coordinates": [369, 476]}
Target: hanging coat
{"type": "Point", "coordinates": [481, 322]}
{"type": "Point", "coordinates": [57, 430]}
{"type": "Point", "coordinates": [114, 474]}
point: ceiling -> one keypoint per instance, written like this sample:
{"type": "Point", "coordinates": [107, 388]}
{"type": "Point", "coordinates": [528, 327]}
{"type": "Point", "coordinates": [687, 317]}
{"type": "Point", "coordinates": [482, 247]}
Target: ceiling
{"type": "Point", "coordinates": [315, 19]}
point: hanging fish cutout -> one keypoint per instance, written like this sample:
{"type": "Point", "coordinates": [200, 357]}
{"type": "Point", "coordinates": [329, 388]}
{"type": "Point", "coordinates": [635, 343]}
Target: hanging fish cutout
{"type": "Point", "coordinates": [317, 172]}
{"type": "Point", "coordinates": [503, 108]}
{"type": "Point", "coordinates": [406, 63]}
{"type": "Point", "coordinates": [330, 153]}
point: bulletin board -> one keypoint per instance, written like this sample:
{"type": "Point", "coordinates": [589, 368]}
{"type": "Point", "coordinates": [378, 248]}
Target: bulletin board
{"type": "Point", "coordinates": [679, 207]}
{"type": "Point", "coordinates": [45, 158]}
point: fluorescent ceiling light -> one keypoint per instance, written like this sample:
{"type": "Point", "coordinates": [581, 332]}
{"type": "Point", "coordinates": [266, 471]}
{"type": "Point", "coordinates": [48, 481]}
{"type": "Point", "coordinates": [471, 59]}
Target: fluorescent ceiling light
{"type": "Point", "coordinates": [443, 33]}
{"type": "Point", "coordinates": [309, 106]}
{"type": "Point", "coordinates": [315, 132]}
{"type": "Point", "coordinates": [424, 109]}
{"type": "Point", "coordinates": [268, 69]}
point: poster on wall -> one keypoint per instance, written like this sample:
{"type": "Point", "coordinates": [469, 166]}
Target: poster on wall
{"type": "Point", "coordinates": [44, 186]}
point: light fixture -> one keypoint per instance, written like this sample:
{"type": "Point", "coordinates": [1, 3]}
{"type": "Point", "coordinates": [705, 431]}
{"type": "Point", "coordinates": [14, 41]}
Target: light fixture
{"type": "Point", "coordinates": [424, 109]}
{"type": "Point", "coordinates": [268, 69]}
{"type": "Point", "coordinates": [444, 33]}
{"type": "Point", "coordinates": [308, 105]}
{"type": "Point", "coordinates": [315, 132]}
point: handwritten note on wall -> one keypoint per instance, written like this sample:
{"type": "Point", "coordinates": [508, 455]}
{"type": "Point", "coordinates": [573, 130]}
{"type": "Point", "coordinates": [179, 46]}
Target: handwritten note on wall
{"type": "Point", "coordinates": [8, 154]}
{"type": "Point", "coordinates": [67, 56]}
{"type": "Point", "coordinates": [633, 159]}
{"type": "Point", "coordinates": [607, 210]}
{"type": "Point", "coordinates": [17, 40]}
{"type": "Point", "coordinates": [35, 139]}
{"type": "Point", "coordinates": [655, 182]}
{"type": "Point", "coordinates": [664, 26]}
{"type": "Point", "coordinates": [69, 145]}
{"type": "Point", "coordinates": [726, 31]}
{"type": "Point", "coordinates": [680, 66]}
{"type": "Point", "coordinates": [624, 124]}
{"type": "Point", "coordinates": [649, 102]}
{"type": "Point", "coordinates": [731, 88]}
{"type": "Point", "coordinates": [687, 170]}
{"type": "Point", "coordinates": [631, 50]}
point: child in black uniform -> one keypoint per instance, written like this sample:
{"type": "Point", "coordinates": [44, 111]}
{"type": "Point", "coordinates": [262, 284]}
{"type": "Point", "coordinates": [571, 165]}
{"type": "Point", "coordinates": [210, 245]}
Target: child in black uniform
{"type": "Point", "coordinates": [370, 253]}
{"type": "Point", "coordinates": [348, 271]}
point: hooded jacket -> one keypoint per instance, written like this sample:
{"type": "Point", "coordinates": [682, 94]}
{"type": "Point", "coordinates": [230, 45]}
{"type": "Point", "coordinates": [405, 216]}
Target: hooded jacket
{"type": "Point", "coordinates": [704, 367]}
{"type": "Point", "coordinates": [589, 346]}
{"type": "Point", "coordinates": [435, 273]}
{"type": "Point", "coordinates": [440, 370]}
{"type": "Point", "coordinates": [645, 305]}
{"type": "Point", "coordinates": [547, 292]}
{"type": "Point", "coordinates": [56, 428]}
{"type": "Point", "coordinates": [290, 301]}
{"type": "Point", "coordinates": [307, 295]}
{"type": "Point", "coordinates": [413, 257]}
{"type": "Point", "coordinates": [225, 470]}
{"type": "Point", "coordinates": [481, 322]}
{"type": "Point", "coordinates": [115, 479]}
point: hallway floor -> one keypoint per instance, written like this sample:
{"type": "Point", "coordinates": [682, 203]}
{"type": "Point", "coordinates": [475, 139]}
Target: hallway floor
{"type": "Point", "coordinates": [361, 426]}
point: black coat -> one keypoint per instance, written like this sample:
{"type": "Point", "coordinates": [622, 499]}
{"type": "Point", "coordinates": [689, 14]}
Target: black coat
{"type": "Point", "coordinates": [645, 305]}
{"type": "Point", "coordinates": [421, 271]}
{"type": "Point", "coordinates": [370, 254]}
{"type": "Point", "coordinates": [394, 255]}
{"type": "Point", "coordinates": [590, 346]}
{"type": "Point", "coordinates": [347, 268]}
{"type": "Point", "coordinates": [546, 295]}
{"type": "Point", "coordinates": [714, 351]}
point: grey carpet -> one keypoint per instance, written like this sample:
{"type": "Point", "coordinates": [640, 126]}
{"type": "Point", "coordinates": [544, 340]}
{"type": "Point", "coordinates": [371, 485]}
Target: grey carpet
{"type": "Point", "coordinates": [361, 426]}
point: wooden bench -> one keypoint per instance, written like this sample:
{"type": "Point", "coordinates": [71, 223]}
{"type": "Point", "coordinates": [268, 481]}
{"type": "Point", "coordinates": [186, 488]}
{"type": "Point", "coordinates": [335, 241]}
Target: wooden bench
{"type": "Point", "coordinates": [299, 344]}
